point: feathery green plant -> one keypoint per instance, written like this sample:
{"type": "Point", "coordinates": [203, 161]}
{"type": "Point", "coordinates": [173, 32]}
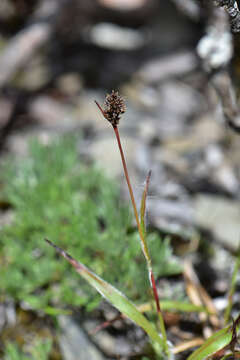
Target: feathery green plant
{"type": "Point", "coordinates": [220, 341]}
{"type": "Point", "coordinates": [39, 351]}
{"type": "Point", "coordinates": [52, 192]}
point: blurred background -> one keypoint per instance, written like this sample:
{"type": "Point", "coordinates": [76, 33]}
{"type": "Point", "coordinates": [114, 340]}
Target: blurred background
{"type": "Point", "coordinates": [176, 65]}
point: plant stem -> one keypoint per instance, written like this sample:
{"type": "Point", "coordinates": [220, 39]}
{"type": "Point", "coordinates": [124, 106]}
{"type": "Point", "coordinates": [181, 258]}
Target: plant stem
{"type": "Point", "coordinates": [145, 249]}
{"type": "Point", "coordinates": [115, 128]}
{"type": "Point", "coordinates": [159, 312]}
{"type": "Point", "coordinates": [232, 290]}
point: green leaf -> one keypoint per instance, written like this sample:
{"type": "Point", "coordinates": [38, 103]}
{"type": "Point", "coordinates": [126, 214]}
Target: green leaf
{"type": "Point", "coordinates": [143, 204]}
{"type": "Point", "coordinates": [50, 310]}
{"type": "Point", "coordinates": [181, 306]}
{"type": "Point", "coordinates": [231, 291]}
{"type": "Point", "coordinates": [142, 233]}
{"type": "Point", "coordinates": [213, 344]}
{"type": "Point", "coordinates": [12, 353]}
{"type": "Point", "coordinates": [39, 350]}
{"type": "Point", "coordinates": [113, 295]}
{"type": "Point", "coordinates": [142, 220]}
{"type": "Point", "coordinates": [174, 306]}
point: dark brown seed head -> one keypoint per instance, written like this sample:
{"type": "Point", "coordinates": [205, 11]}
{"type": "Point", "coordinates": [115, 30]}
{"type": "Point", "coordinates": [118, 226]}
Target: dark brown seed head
{"type": "Point", "coordinates": [113, 107]}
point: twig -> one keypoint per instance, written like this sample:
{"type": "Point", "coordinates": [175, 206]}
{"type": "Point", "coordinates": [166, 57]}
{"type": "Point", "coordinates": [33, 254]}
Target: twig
{"type": "Point", "coordinates": [231, 291]}
{"type": "Point", "coordinates": [216, 50]}
{"type": "Point", "coordinates": [231, 7]}
{"type": "Point", "coordinates": [223, 85]}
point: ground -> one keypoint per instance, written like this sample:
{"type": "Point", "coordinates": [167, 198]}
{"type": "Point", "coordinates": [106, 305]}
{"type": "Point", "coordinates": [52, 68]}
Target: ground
{"type": "Point", "coordinates": [176, 124]}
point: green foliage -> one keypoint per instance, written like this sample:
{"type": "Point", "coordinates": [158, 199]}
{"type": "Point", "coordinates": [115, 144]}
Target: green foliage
{"type": "Point", "coordinates": [55, 195]}
{"type": "Point", "coordinates": [114, 296]}
{"type": "Point", "coordinates": [39, 351]}
{"type": "Point", "coordinates": [213, 344]}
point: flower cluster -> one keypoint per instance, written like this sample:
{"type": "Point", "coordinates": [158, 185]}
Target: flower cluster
{"type": "Point", "coordinates": [113, 107]}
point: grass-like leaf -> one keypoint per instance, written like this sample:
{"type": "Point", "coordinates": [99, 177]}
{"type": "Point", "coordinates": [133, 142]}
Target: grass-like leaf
{"type": "Point", "coordinates": [115, 297]}
{"type": "Point", "coordinates": [232, 290]}
{"type": "Point", "coordinates": [213, 344]}
{"type": "Point", "coordinates": [174, 306]}
{"type": "Point", "coordinates": [143, 237]}
{"type": "Point", "coordinates": [142, 218]}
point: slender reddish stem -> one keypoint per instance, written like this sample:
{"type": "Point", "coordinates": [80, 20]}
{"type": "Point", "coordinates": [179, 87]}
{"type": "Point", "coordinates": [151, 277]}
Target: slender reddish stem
{"type": "Point", "coordinates": [155, 292]}
{"type": "Point", "coordinates": [142, 236]}
{"type": "Point", "coordinates": [115, 128]}
{"type": "Point", "coordinates": [100, 108]}
{"type": "Point", "coordinates": [151, 275]}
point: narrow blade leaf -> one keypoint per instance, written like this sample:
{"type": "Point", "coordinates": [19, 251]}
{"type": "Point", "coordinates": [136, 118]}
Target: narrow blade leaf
{"type": "Point", "coordinates": [143, 204]}
{"type": "Point", "coordinates": [174, 306]}
{"type": "Point", "coordinates": [114, 296]}
{"type": "Point", "coordinates": [213, 344]}
{"type": "Point", "coordinates": [149, 262]}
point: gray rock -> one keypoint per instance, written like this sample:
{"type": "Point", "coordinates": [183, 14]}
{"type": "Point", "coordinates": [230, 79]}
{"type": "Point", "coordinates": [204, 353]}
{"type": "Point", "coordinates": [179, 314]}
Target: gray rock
{"type": "Point", "coordinates": [118, 345]}
{"type": "Point", "coordinates": [52, 114]}
{"type": "Point", "coordinates": [174, 216]}
{"type": "Point", "coordinates": [221, 217]}
{"type": "Point", "coordinates": [8, 316]}
{"type": "Point", "coordinates": [105, 151]}
{"type": "Point", "coordinates": [74, 343]}
{"type": "Point", "coordinates": [35, 76]}
{"type": "Point", "coordinates": [127, 5]}
{"type": "Point", "coordinates": [169, 66]}
{"type": "Point", "coordinates": [115, 37]}
{"type": "Point", "coordinates": [226, 177]}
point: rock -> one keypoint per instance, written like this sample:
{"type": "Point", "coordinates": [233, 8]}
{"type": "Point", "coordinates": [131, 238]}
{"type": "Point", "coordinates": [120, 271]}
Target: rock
{"type": "Point", "coordinates": [6, 109]}
{"type": "Point", "coordinates": [171, 215]}
{"type": "Point", "coordinates": [52, 114]}
{"type": "Point", "coordinates": [220, 171]}
{"type": "Point", "coordinates": [214, 156]}
{"type": "Point", "coordinates": [180, 99]}
{"type": "Point", "coordinates": [126, 339]}
{"type": "Point", "coordinates": [105, 151]}
{"type": "Point", "coordinates": [115, 37]}
{"type": "Point", "coordinates": [8, 317]}
{"type": "Point", "coordinates": [114, 345]}
{"type": "Point", "coordinates": [226, 177]}
{"type": "Point", "coordinates": [6, 10]}
{"type": "Point", "coordinates": [220, 303]}
{"type": "Point", "coordinates": [35, 76]}
{"type": "Point", "coordinates": [70, 84]}
{"type": "Point", "coordinates": [219, 257]}
{"type": "Point", "coordinates": [147, 130]}
{"type": "Point", "coordinates": [141, 96]}
{"type": "Point", "coordinates": [18, 144]}
{"type": "Point", "coordinates": [74, 343]}
{"type": "Point", "coordinates": [143, 159]}
{"type": "Point", "coordinates": [123, 5]}
{"type": "Point", "coordinates": [172, 160]}
{"type": "Point", "coordinates": [158, 69]}
{"type": "Point", "coordinates": [190, 8]}
{"type": "Point", "coordinates": [220, 216]}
